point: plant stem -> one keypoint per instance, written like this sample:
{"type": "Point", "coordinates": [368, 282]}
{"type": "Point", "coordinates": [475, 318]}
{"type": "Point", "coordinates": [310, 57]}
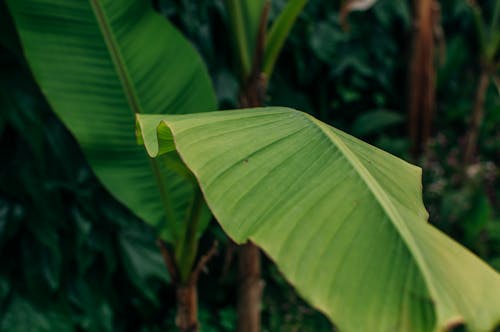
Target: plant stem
{"type": "Point", "coordinates": [476, 117]}
{"type": "Point", "coordinates": [187, 308]}
{"type": "Point", "coordinates": [188, 246]}
{"type": "Point", "coordinates": [187, 296]}
{"type": "Point", "coordinates": [238, 26]}
{"type": "Point", "coordinates": [250, 285]}
{"type": "Point", "coordinates": [422, 76]}
{"type": "Point", "coordinates": [180, 269]}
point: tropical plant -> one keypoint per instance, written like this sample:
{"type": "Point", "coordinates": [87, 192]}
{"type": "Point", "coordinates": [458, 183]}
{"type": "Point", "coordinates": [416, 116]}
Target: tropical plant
{"type": "Point", "coordinates": [161, 192]}
{"type": "Point", "coordinates": [95, 61]}
{"type": "Point", "coordinates": [343, 220]}
{"type": "Point", "coordinates": [257, 51]}
{"type": "Point", "coordinates": [94, 65]}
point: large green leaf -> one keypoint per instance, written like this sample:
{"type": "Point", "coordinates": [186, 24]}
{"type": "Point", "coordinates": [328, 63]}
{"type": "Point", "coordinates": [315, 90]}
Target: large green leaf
{"type": "Point", "coordinates": [343, 220]}
{"type": "Point", "coordinates": [98, 63]}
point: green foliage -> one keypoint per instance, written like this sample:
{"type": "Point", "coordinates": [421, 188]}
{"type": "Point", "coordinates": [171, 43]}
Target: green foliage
{"type": "Point", "coordinates": [466, 211]}
{"type": "Point", "coordinates": [372, 122]}
{"type": "Point", "coordinates": [64, 266]}
{"type": "Point", "coordinates": [279, 32]}
{"type": "Point", "coordinates": [344, 221]}
{"type": "Point", "coordinates": [336, 78]}
{"type": "Point", "coordinates": [244, 17]}
{"type": "Point", "coordinates": [111, 51]}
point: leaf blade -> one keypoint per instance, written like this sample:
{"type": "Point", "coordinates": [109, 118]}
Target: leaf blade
{"type": "Point", "coordinates": [339, 217]}
{"type": "Point", "coordinates": [98, 63]}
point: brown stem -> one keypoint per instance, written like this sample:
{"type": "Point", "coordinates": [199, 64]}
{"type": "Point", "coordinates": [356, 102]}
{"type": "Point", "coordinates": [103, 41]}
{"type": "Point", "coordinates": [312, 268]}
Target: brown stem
{"type": "Point", "coordinates": [187, 295]}
{"type": "Point", "coordinates": [186, 318]}
{"type": "Point", "coordinates": [476, 118]}
{"type": "Point", "coordinates": [187, 308]}
{"type": "Point", "coordinates": [421, 93]}
{"type": "Point", "coordinates": [202, 263]}
{"type": "Point", "coordinates": [250, 285]}
{"type": "Point", "coordinates": [250, 288]}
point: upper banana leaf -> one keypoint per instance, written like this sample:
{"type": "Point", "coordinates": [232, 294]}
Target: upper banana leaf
{"type": "Point", "coordinates": [98, 63]}
{"type": "Point", "coordinates": [343, 220]}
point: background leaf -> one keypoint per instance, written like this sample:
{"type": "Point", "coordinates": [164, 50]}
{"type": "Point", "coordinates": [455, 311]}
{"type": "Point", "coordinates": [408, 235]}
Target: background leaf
{"type": "Point", "coordinates": [244, 18]}
{"type": "Point", "coordinates": [279, 32]}
{"type": "Point", "coordinates": [143, 261]}
{"type": "Point", "coordinates": [98, 63]}
{"type": "Point", "coordinates": [374, 121]}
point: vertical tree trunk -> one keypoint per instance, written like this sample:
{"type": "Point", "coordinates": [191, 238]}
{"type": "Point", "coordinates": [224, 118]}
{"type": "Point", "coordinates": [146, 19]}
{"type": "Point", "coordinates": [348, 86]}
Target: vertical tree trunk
{"type": "Point", "coordinates": [187, 308]}
{"type": "Point", "coordinates": [476, 118]}
{"type": "Point", "coordinates": [421, 88]}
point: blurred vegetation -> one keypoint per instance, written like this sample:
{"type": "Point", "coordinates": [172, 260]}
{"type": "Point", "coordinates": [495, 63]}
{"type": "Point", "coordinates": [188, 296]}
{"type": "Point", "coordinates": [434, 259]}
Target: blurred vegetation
{"type": "Point", "coordinates": [73, 259]}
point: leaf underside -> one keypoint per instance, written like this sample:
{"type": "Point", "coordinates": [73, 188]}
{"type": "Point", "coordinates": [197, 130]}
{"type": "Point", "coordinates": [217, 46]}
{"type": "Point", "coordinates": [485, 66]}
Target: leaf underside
{"type": "Point", "coordinates": [343, 220]}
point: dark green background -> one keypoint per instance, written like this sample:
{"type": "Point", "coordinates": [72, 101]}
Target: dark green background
{"type": "Point", "coordinates": [73, 259]}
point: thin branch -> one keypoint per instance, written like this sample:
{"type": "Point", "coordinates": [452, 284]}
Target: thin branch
{"type": "Point", "coordinates": [203, 262]}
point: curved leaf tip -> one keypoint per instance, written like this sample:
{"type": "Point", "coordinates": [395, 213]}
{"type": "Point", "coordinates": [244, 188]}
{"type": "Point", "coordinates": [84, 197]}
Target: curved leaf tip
{"type": "Point", "coordinates": [154, 134]}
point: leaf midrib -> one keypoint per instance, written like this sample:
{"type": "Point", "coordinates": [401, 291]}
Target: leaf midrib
{"type": "Point", "coordinates": [380, 195]}
{"type": "Point", "coordinates": [130, 95]}
{"type": "Point", "coordinates": [116, 56]}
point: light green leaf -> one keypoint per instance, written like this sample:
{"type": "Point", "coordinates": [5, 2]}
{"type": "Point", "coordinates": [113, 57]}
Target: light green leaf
{"type": "Point", "coordinates": [98, 63]}
{"type": "Point", "coordinates": [279, 32]}
{"type": "Point", "coordinates": [343, 220]}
